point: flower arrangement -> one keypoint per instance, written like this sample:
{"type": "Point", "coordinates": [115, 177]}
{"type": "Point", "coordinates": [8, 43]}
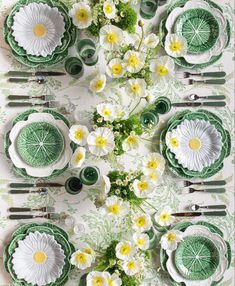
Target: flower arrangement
{"type": "Point", "coordinates": [95, 14]}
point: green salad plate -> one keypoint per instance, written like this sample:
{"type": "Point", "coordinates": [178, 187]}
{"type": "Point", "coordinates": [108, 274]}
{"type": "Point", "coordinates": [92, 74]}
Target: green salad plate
{"type": "Point", "coordinates": [56, 236]}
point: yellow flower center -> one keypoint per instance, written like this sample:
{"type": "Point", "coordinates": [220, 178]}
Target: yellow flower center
{"type": "Point", "coordinates": [112, 38]}
{"type": "Point", "coordinates": [153, 176]}
{"type": "Point", "coordinates": [131, 265]}
{"type": "Point", "coordinates": [98, 281]}
{"type": "Point", "coordinates": [135, 88]}
{"type": "Point", "coordinates": [101, 141]}
{"type": "Point", "coordinates": [165, 217]}
{"type": "Point", "coordinates": [174, 142]}
{"type": "Point", "coordinates": [79, 157]}
{"type": "Point", "coordinates": [107, 112]}
{"type": "Point", "coordinates": [195, 144]}
{"type": "Point", "coordinates": [152, 164]}
{"type": "Point", "coordinates": [133, 61]}
{"type": "Point", "coordinates": [108, 9]}
{"type": "Point", "coordinates": [143, 186]}
{"type": "Point", "coordinates": [176, 46]}
{"type": "Point", "coordinates": [171, 237]}
{"type": "Point", "coordinates": [141, 221]}
{"type": "Point", "coordinates": [131, 140]}
{"type": "Point", "coordinates": [162, 70]}
{"type": "Point", "coordinates": [79, 134]}
{"type": "Point", "coordinates": [140, 241]}
{"type": "Point", "coordinates": [40, 257]}
{"type": "Point", "coordinates": [117, 69]}
{"type": "Point", "coordinates": [40, 30]}
{"type": "Point", "coordinates": [82, 15]}
{"type": "Point", "coordinates": [99, 84]}
{"type": "Point", "coordinates": [81, 258]}
{"type": "Point", "coordinates": [125, 249]}
{"type": "Point", "coordinates": [114, 209]}
{"type": "Point", "coordinates": [110, 282]}
{"type": "Point", "coordinates": [88, 251]}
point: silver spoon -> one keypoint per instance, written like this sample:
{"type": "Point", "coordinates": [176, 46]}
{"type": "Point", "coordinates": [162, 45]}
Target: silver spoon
{"type": "Point", "coordinates": [39, 80]}
{"type": "Point", "coordinates": [214, 207]}
{"type": "Point", "coordinates": [194, 97]}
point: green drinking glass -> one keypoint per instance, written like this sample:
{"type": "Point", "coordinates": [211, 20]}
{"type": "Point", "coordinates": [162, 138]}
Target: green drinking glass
{"type": "Point", "coordinates": [73, 186]}
{"type": "Point", "coordinates": [89, 175]}
{"type": "Point", "coordinates": [149, 119]}
{"type": "Point", "coordinates": [148, 8]}
{"type": "Point", "coordinates": [86, 49]}
{"type": "Point", "coordinates": [162, 105]}
{"type": "Point", "coordinates": [74, 67]}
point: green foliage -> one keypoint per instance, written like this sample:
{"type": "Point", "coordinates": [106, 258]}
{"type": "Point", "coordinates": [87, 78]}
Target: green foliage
{"type": "Point", "coordinates": [128, 280]}
{"type": "Point", "coordinates": [128, 18]}
{"type": "Point", "coordinates": [94, 29]}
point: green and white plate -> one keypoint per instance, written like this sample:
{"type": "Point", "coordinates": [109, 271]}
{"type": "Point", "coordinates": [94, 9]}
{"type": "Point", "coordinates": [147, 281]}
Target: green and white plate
{"type": "Point", "coordinates": [48, 230]}
{"type": "Point", "coordinates": [199, 27]}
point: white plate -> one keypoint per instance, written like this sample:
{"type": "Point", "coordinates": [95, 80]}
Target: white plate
{"type": "Point", "coordinates": [43, 171]}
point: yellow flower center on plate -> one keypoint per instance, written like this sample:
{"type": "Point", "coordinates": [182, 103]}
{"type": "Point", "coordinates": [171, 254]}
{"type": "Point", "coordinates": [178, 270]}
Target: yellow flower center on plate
{"type": "Point", "coordinates": [114, 209]}
{"type": "Point", "coordinates": [125, 249]}
{"type": "Point", "coordinates": [133, 61]}
{"type": "Point", "coordinates": [39, 30]}
{"type": "Point", "coordinates": [112, 38]}
{"type": "Point", "coordinates": [40, 257]}
{"type": "Point", "coordinates": [135, 88]}
{"type": "Point", "coordinates": [99, 84]}
{"type": "Point", "coordinates": [98, 281]}
{"type": "Point", "coordinates": [82, 15]}
{"type": "Point", "coordinates": [195, 144]}
{"type": "Point", "coordinates": [141, 221]}
{"type": "Point", "coordinates": [79, 134]}
{"type": "Point", "coordinates": [108, 9]}
{"type": "Point", "coordinates": [176, 46]}
{"type": "Point", "coordinates": [171, 237]}
{"type": "Point", "coordinates": [143, 186]}
{"type": "Point", "coordinates": [117, 69]}
{"type": "Point", "coordinates": [81, 258]}
{"type": "Point", "coordinates": [101, 142]}
{"type": "Point", "coordinates": [162, 70]}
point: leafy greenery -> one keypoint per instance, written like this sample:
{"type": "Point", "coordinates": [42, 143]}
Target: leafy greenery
{"type": "Point", "coordinates": [128, 18]}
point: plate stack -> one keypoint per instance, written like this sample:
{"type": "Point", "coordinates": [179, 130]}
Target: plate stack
{"type": "Point", "coordinates": [205, 28]}
{"type": "Point", "coordinates": [201, 258]}
{"type": "Point", "coordinates": [40, 32]}
{"type": "Point", "coordinates": [195, 144]}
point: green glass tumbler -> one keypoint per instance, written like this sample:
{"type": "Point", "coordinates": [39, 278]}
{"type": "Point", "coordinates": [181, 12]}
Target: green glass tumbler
{"type": "Point", "coordinates": [73, 186]}
{"type": "Point", "coordinates": [162, 105]}
{"type": "Point", "coordinates": [89, 175]}
{"type": "Point", "coordinates": [86, 49]}
{"type": "Point", "coordinates": [74, 67]}
{"type": "Point", "coordinates": [148, 8]}
{"type": "Point", "coordinates": [149, 119]}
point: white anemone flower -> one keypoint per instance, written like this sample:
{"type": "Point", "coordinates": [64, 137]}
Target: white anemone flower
{"type": "Point", "coordinates": [153, 162]}
{"type": "Point", "coordinates": [81, 14]}
{"type": "Point", "coordinates": [151, 41]}
{"type": "Point", "coordinates": [78, 134]}
{"type": "Point", "coordinates": [78, 157]}
{"type": "Point", "coordinates": [125, 250]}
{"type": "Point", "coordinates": [143, 187]}
{"type": "Point", "coordinates": [98, 83]}
{"type": "Point", "coordinates": [164, 217]}
{"type": "Point", "coordinates": [86, 248]}
{"type": "Point", "coordinates": [108, 111]}
{"type": "Point", "coordinates": [176, 45]}
{"type": "Point", "coordinates": [155, 177]}
{"type": "Point", "coordinates": [131, 142]}
{"type": "Point", "coordinates": [173, 141]}
{"type": "Point", "coordinates": [170, 240]}
{"type": "Point", "coordinates": [109, 9]}
{"type": "Point", "coordinates": [114, 206]}
{"type": "Point", "coordinates": [141, 222]}
{"type": "Point", "coordinates": [114, 279]}
{"type": "Point", "coordinates": [162, 68]}
{"type": "Point", "coordinates": [105, 184]}
{"type": "Point", "coordinates": [141, 240]}
{"type": "Point", "coordinates": [96, 278]}
{"type": "Point", "coordinates": [136, 87]}
{"type": "Point", "coordinates": [111, 37]}
{"type": "Point", "coordinates": [101, 141]}
{"type": "Point", "coordinates": [134, 61]}
{"type": "Point", "coordinates": [131, 267]}
{"type": "Point", "coordinates": [81, 260]}
{"type": "Point", "coordinates": [116, 68]}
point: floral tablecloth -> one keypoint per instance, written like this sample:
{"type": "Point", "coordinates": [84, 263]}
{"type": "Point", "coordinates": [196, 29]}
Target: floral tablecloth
{"type": "Point", "coordinates": [92, 226]}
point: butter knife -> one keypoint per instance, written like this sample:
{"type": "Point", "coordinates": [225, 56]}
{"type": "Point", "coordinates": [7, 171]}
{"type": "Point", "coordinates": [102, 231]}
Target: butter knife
{"type": "Point", "coordinates": [36, 185]}
{"type": "Point", "coordinates": [192, 214]}
{"type": "Point", "coordinates": [38, 73]}
{"type": "Point", "coordinates": [51, 216]}
{"type": "Point", "coordinates": [197, 104]}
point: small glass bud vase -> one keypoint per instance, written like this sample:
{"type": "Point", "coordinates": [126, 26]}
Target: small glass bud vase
{"type": "Point", "coordinates": [74, 67]}
{"type": "Point", "coordinates": [162, 105]}
{"type": "Point", "coordinates": [73, 186]}
{"type": "Point", "coordinates": [89, 175]}
{"type": "Point", "coordinates": [149, 119]}
{"type": "Point", "coordinates": [148, 8]}
{"type": "Point", "coordinates": [86, 49]}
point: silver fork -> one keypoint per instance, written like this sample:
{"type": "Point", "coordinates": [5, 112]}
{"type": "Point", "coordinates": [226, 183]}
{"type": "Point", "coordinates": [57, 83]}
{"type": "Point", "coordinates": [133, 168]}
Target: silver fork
{"type": "Point", "coordinates": [48, 104]}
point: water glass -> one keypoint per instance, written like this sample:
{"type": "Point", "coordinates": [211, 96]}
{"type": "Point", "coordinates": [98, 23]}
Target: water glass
{"type": "Point", "coordinates": [162, 105]}
{"type": "Point", "coordinates": [148, 8]}
{"type": "Point", "coordinates": [74, 67]}
{"type": "Point", "coordinates": [89, 175]}
{"type": "Point", "coordinates": [149, 119]}
{"type": "Point", "coordinates": [86, 49]}
{"type": "Point", "coordinates": [73, 186]}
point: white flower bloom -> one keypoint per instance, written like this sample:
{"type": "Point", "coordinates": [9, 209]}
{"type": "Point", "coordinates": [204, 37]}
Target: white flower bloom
{"type": "Point", "coordinates": [136, 87]}
{"type": "Point", "coordinates": [134, 61]}
{"type": "Point", "coordinates": [164, 218]}
{"type": "Point", "coordinates": [81, 14]}
{"type": "Point", "coordinates": [170, 240]}
{"type": "Point", "coordinates": [131, 142]}
{"type": "Point", "coordinates": [115, 68]}
{"type": "Point", "coordinates": [105, 184]}
{"type": "Point", "coordinates": [162, 68]}
{"type": "Point", "coordinates": [154, 177]}
{"type": "Point", "coordinates": [78, 134]}
{"type": "Point", "coordinates": [85, 247]}
{"type": "Point", "coordinates": [151, 41]}
{"type": "Point", "coordinates": [122, 113]}
{"type": "Point", "coordinates": [141, 222]}
{"type": "Point", "coordinates": [114, 279]}
{"type": "Point", "coordinates": [98, 83]}
{"type": "Point", "coordinates": [173, 141]}
{"type": "Point", "coordinates": [81, 260]}
{"type": "Point", "coordinates": [175, 45]}
{"type": "Point", "coordinates": [153, 162]}
{"type": "Point", "coordinates": [143, 187]}
{"type": "Point", "coordinates": [141, 240]}
{"type": "Point", "coordinates": [96, 278]}
{"type": "Point", "coordinates": [131, 267]}
{"type": "Point", "coordinates": [114, 206]}
{"type": "Point", "coordinates": [108, 111]}
{"type": "Point", "coordinates": [109, 9]}
{"type": "Point", "coordinates": [111, 37]}
{"type": "Point", "coordinates": [124, 250]}
{"type": "Point", "coordinates": [101, 142]}
{"type": "Point", "coordinates": [78, 157]}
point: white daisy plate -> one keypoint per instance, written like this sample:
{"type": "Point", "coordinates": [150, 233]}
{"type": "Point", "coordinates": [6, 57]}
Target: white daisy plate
{"type": "Point", "coordinates": [38, 29]}
{"type": "Point", "coordinates": [46, 171]}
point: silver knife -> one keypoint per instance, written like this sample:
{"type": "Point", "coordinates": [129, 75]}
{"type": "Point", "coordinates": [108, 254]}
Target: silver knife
{"type": "Point", "coordinates": [37, 73]}
{"type": "Point", "coordinates": [197, 104]}
{"type": "Point", "coordinates": [193, 214]}
{"type": "Point", "coordinates": [36, 185]}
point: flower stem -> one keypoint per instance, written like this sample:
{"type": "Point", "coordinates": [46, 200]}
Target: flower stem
{"type": "Point", "coordinates": [142, 37]}
{"type": "Point", "coordinates": [151, 205]}
{"type": "Point", "coordinates": [138, 103]}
